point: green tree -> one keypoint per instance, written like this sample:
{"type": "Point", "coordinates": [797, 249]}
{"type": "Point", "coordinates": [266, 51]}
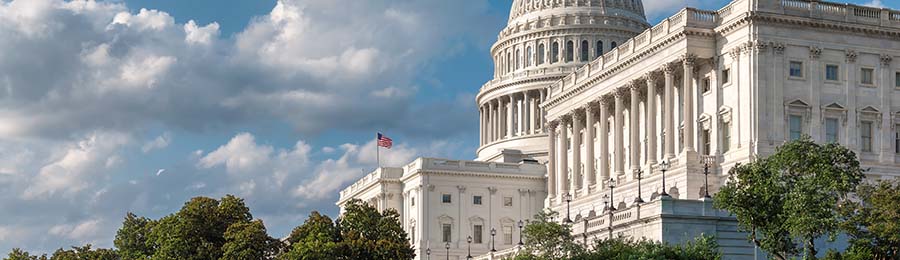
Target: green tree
{"type": "Point", "coordinates": [871, 222]}
{"type": "Point", "coordinates": [85, 253]}
{"type": "Point", "coordinates": [547, 239]}
{"type": "Point", "coordinates": [248, 240]}
{"type": "Point", "coordinates": [132, 238]}
{"type": "Point", "coordinates": [19, 254]}
{"type": "Point", "coordinates": [317, 238]}
{"type": "Point", "coordinates": [789, 199]}
{"type": "Point", "coordinates": [369, 234]}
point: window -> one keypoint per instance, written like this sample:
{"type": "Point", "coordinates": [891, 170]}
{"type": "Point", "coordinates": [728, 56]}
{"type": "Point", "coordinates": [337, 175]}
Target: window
{"type": "Point", "coordinates": [445, 232]}
{"type": "Point", "coordinates": [796, 125]}
{"type": "Point", "coordinates": [613, 45]}
{"type": "Point", "coordinates": [570, 51]}
{"type": "Point", "coordinates": [528, 56]}
{"type": "Point", "coordinates": [585, 51]}
{"type": "Point", "coordinates": [865, 133]}
{"type": "Point", "coordinates": [897, 79]}
{"type": "Point", "coordinates": [831, 130]}
{"type": "Point", "coordinates": [831, 72]}
{"type": "Point", "coordinates": [726, 137]}
{"type": "Point", "coordinates": [477, 235]}
{"type": "Point", "coordinates": [507, 235]}
{"type": "Point", "coordinates": [446, 198]}
{"type": "Point", "coordinates": [412, 233]}
{"type": "Point", "coordinates": [476, 200]}
{"type": "Point", "coordinates": [507, 201]}
{"type": "Point", "coordinates": [705, 85]}
{"type": "Point", "coordinates": [706, 142]}
{"type": "Point", "coordinates": [897, 140]}
{"type": "Point", "coordinates": [726, 76]}
{"type": "Point", "coordinates": [554, 52]}
{"type": "Point", "coordinates": [540, 54]}
{"type": "Point", "coordinates": [796, 69]}
{"type": "Point", "coordinates": [866, 76]}
{"type": "Point", "coordinates": [517, 61]}
{"type": "Point", "coordinates": [599, 51]}
{"type": "Point", "coordinates": [568, 143]}
{"type": "Point", "coordinates": [412, 201]}
{"type": "Point", "coordinates": [509, 62]}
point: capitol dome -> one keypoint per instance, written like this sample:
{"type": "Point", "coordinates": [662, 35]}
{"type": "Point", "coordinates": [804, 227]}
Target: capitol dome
{"type": "Point", "coordinates": [544, 40]}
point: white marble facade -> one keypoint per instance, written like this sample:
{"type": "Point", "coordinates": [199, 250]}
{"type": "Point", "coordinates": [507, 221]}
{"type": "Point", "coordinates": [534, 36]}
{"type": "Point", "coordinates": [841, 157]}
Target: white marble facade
{"type": "Point", "coordinates": [592, 91]}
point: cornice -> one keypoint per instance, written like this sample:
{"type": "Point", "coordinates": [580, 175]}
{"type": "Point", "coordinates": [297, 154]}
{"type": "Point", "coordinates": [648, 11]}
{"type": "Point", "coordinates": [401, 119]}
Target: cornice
{"type": "Point", "coordinates": [470, 174]}
{"type": "Point", "coordinates": [574, 30]}
{"type": "Point", "coordinates": [825, 24]}
{"type": "Point", "coordinates": [520, 81]}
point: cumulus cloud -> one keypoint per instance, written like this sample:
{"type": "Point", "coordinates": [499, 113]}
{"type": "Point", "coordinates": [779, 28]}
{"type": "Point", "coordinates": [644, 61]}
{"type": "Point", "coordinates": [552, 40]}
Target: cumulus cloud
{"type": "Point", "coordinates": [159, 142]}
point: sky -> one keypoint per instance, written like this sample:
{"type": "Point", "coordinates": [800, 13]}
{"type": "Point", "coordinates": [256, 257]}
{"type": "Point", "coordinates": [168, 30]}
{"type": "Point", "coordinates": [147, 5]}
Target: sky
{"type": "Point", "coordinates": [111, 107]}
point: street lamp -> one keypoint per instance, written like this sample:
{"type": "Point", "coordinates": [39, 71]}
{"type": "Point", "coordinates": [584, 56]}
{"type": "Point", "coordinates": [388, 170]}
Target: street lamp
{"type": "Point", "coordinates": [584, 234]}
{"type": "Point", "coordinates": [493, 233]}
{"type": "Point", "coordinates": [705, 160]}
{"type": "Point", "coordinates": [664, 166]}
{"type": "Point", "coordinates": [606, 202]}
{"type": "Point", "coordinates": [612, 184]}
{"type": "Point", "coordinates": [469, 242]}
{"type": "Point", "coordinates": [568, 198]}
{"type": "Point", "coordinates": [520, 232]}
{"type": "Point", "coordinates": [639, 199]}
{"type": "Point", "coordinates": [447, 246]}
{"type": "Point", "coordinates": [428, 253]}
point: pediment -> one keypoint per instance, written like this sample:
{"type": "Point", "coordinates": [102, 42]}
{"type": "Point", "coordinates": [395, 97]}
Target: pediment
{"type": "Point", "coordinates": [476, 219]}
{"type": "Point", "coordinates": [835, 106]}
{"type": "Point", "coordinates": [869, 109]}
{"type": "Point", "coordinates": [798, 103]}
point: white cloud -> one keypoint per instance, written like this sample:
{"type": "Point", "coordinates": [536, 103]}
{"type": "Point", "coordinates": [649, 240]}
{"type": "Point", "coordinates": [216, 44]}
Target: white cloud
{"type": "Point", "coordinates": [159, 142]}
{"type": "Point", "coordinates": [72, 170]}
{"type": "Point", "coordinates": [200, 35]}
{"type": "Point", "coordinates": [875, 3]}
{"type": "Point", "coordinates": [240, 155]}
{"type": "Point", "coordinates": [83, 230]}
{"type": "Point", "coordinates": [144, 20]}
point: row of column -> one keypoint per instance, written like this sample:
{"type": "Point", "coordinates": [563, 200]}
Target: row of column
{"type": "Point", "coordinates": [512, 115]}
{"type": "Point", "coordinates": [616, 101]}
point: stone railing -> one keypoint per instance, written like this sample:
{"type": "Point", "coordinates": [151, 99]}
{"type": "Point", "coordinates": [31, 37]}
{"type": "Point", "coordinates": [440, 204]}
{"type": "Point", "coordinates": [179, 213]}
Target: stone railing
{"type": "Point", "coordinates": [504, 254]}
{"type": "Point", "coordinates": [474, 166]}
{"type": "Point", "coordinates": [837, 12]}
{"type": "Point", "coordinates": [550, 69]}
{"type": "Point", "coordinates": [383, 173]}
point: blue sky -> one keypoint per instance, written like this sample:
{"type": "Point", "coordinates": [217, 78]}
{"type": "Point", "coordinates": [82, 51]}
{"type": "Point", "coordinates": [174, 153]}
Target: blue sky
{"type": "Point", "coordinates": [139, 105]}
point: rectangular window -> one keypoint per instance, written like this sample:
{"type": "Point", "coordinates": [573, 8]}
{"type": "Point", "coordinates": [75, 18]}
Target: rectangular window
{"type": "Point", "coordinates": [412, 234]}
{"type": "Point", "coordinates": [867, 76]}
{"type": "Point", "coordinates": [897, 79]}
{"type": "Point", "coordinates": [477, 234]}
{"type": "Point", "coordinates": [706, 142]}
{"type": "Point", "coordinates": [507, 235]}
{"type": "Point", "coordinates": [446, 198]}
{"type": "Point", "coordinates": [796, 69]}
{"type": "Point", "coordinates": [412, 201]}
{"type": "Point", "coordinates": [897, 140]}
{"type": "Point", "coordinates": [796, 127]}
{"type": "Point", "coordinates": [568, 144]}
{"type": "Point", "coordinates": [507, 201]}
{"type": "Point", "coordinates": [476, 200]}
{"type": "Point", "coordinates": [831, 72]}
{"type": "Point", "coordinates": [705, 85]}
{"type": "Point", "coordinates": [726, 76]}
{"type": "Point", "coordinates": [865, 133]}
{"type": "Point", "coordinates": [726, 137]}
{"type": "Point", "coordinates": [831, 130]}
{"type": "Point", "coordinates": [445, 232]}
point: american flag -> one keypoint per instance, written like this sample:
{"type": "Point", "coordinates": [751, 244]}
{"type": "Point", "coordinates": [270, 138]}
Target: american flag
{"type": "Point", "coordinates": [384, 141]}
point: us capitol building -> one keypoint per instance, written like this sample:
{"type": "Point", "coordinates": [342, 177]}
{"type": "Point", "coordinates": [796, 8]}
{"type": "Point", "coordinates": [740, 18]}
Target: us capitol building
{"type": "Point", "coordinates": [590, 106]}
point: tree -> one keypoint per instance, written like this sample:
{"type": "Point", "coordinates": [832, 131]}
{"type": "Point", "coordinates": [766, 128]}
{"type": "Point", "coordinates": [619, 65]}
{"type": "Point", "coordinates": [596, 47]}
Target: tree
{"type": "Point", "coordinates": [547, 239]}
{"type": "Point", "coordinates": [248, 240]}
{"type": "Point", "coordinates": [19, 254]}
{"type": "Point", "coordinates": [789, 199]}
{"type": "Point", "coordinates": [132, 238]}
{"type": "Point", "coordinates": [317, 238]}
{"type": "Point", "coordinates": [871, 221]}
{"type": "Point", "coordinates": [85, 253]}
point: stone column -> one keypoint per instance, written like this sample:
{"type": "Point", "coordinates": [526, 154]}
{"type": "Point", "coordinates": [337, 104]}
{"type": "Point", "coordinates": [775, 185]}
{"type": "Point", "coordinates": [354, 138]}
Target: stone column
{"type": "Point", "coordinates": [541, 113]}
{"type": "Point", "coordinates": [604, 138]}
{"type": "Point", "coordinates": [577, 120]}
{"type": "Point", "coordinates": [589, 145]}
{"type": "Point", "coordinates": [689, 102]}
{"type": "Point", "coordinates": [520, 116]}
{"type": "Point", "coordinates": [563, 169]}
{"type": "Point", "coordinates": [633, 130]}
{"type": "Point", "coordinates": [651, 119]}
{"type": "Point", "coordinates": [887, 88]}
{"type": "Point", "coordinates": [490, 121]}
{"type": "Point", "coordinates": [551, 160]}
{"type": "Point", "coordinates": [526, 114]}
{"type": "Point", "coordinates": [618, 137]}
{"type": "Point", "coordinates": [669, 111]}
{"type": "Point", "coordinates": [481, 125]}
{"type": "Point", "coordinates": [510, 127]}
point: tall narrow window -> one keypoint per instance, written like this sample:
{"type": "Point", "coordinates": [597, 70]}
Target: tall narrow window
{"type": "Point", "coordinates": [726, 137]}
{"type": "Point", "coordinates": [585, 51]}
{"type": "Point", "coordinates": [726, 76]}
{"type": "Point", "coordinates": [445, 232]}
{"type": "Point", "coordinates": [554, 52]}
{"type": "Point", "coordinates": [517, 60]}
{"type": "Point", "coordinates": [706, 142]}
{"type": "Point", "coordinates": [831, 72]}
{"type": "Point", "coordinates": [509, 62]}
{"type": "Point", "coordinates": [528, 56]}
{"type": "Point", "coordinates": [831, 130]}
{"type": "Point", "coordinates": [897, 140]}
{"type": "Point", "coordinates": [897, 79]}
{"type": "Point", "coordinates": [477, 234]}
{"type": "Point", "coordinates": [570, 51]}
{"type": "Point", "coordinates": [867, 76]}
{"type": "Point", "coordinates": [865, 134]}
{"type": "Point", "coordinates": [796, 127]}
{"type": "Point", "coordinates": [599, 51]}
{"type": "Point", "coordinates": [507, 235]}
{"type": "Point", "coordinates": [540, 54]}
{"type": "Point", "coordinates": [613, 45]}
{"type": "Point", "coordinates": [412, 234]}
{"type": "Point", "coordinates": [705, 84]}
{"type": "Point", "coordinates": [796, 69]}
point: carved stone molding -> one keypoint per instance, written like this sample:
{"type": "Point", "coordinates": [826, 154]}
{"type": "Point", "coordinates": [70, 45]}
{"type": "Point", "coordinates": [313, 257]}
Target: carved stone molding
{"type": "Point", "coordinates": [566, 120]}
{"type": "Point", "coordinates": [593, 106]}
{"type": "Point", "coordinates": [552, 124]}
{"type": "Point", "coordinates": [578, 116]}
{"type": "Point", "coordinates": [606, 100]}
{"type": "Point", "coordinates": [689, 59]}
{"type": "Point", "coordinates": [461, 188]}
{"type": "Point", "coordinates": [777, 47]}
{"type": "Point", "coordinates": [430, 187]}
{"type": "Point", "coordinates": [886, 59]}
{"type": "Point", "coordinates": [850, 55]}
{"type": "Point", "coordinates": [492, 190]}
{"type": "Point", "coordinates": [735, 52]}
{"type": "Point", "coordinates": [815, 52]}
{"type": "Point", "coordinates": [623, 92]}
{"type": "Point", "coordinates": [761, 46]}
{"type": "Point", "coordinates": [668, 68]}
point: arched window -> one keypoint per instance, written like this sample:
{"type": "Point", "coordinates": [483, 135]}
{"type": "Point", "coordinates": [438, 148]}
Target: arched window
{"type": "Point", "coordinates": [613, 45]}
{"type": "Point", "coordinates": [554, 52]}
{"type": "Point", "coordinates": [599, 50]}
{"type": "Point", "coordinates": [509, 62]}
{"type": "Point", "coordinates": [517, 60]}
{"type": "Point", "coordinates": [584, 51]}
{"type": "Point", "coordinates": [540, 54]}
{"type": "Point", "coordinates": [570, 51]}
{"type": "Point", "coordinates": [528, 56]}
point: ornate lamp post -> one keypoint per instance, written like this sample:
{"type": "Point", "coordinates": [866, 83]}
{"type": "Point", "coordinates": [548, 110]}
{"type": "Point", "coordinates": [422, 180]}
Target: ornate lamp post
{"type": "Point", "coordinates": [705, 160]}
{"type": "Point", "coordinates": [664, 166]}
{"type": "Point", "coordinates": [639, 199]}
{"type": "Point", "coordinates": [447, 246]}
{"type": "Point", "coordinates": [493, 233]}
{"type": "Point", "coordinates": [584, 234]}
{"type": "Point", "coordinates": [469, 242]}
{"type": "Point", "coordinates": [428, 253]}
{"type": "Point", "coordinates": [612, 184]}
{"type": "Point", "coordinates": [605, 202]}
{"type": "Point", "coordinates": [520, 232]}
{"type": "Point", "coordinates": [568, 198]}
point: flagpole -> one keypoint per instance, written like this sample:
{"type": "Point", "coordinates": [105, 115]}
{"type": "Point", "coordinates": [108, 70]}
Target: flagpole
{"type": "Point", "coordinates": [377, 155]}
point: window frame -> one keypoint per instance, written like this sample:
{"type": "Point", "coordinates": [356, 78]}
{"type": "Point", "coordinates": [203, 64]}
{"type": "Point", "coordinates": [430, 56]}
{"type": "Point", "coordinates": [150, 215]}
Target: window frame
{"type": "Point", "coordinates": [726, 76]}
{"type": "Point", "coordinates": [541, 54]}
{"type": "Point", "coordinates": [477, 200]}
{"type": "Point", "coordinates": [510, 198]}
{"type": "Point", "coordinates": [726, 137]}
{"type": "Point", "coordinates": [446, 198]}
{"type": "Point", "coordinates": [446, 232]}
{"type": "Point", "coordinates": [801, 70]}
{"type": "Point", "coordinates": [706, 85]}
{"type": "Point", "coordinates": [791, 127]}
{"type": "Point", "coordinates": [862, 73]}
{"type": "Point", "coordinates": [478, 233]}
{"type": "Point", "coordinates": [837, 130]}
{"type": "Point", "coordinates": [837, 72]}
{"type": "Point", "coordinates": [865, 145]}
